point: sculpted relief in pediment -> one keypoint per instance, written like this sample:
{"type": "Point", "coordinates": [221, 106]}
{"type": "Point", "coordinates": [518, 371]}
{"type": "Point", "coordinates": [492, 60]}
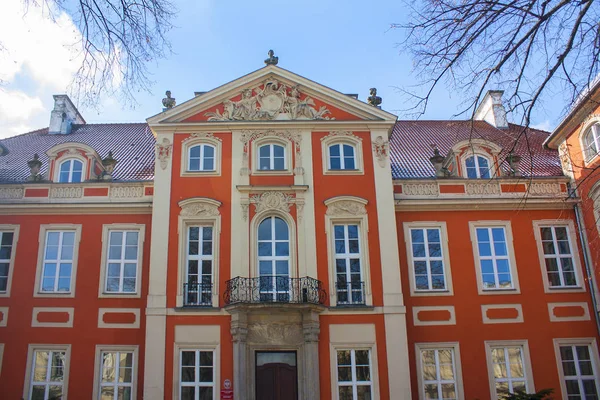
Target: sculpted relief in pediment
{"type": "Point", "coordinates": [272, 100]}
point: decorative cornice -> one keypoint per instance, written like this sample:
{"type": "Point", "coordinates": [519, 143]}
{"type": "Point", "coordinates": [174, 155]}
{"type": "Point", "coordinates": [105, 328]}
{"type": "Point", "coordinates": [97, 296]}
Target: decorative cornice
{"type": "Point", "coordinates": [345, 206]}
{"type": "Point", "coordinates": [381, 148]}
{"type": "Point", "coordinates": [335, 134]}
{"type": "Point", "coordinates": [201, 135]}
{"type": "Point", "coordinates": [199, 207]}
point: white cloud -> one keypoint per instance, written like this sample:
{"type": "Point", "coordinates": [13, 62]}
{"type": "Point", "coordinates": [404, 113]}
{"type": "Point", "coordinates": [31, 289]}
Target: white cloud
{"type": "Point", "coordinates": [17, 110]}
{"type": "Point", "coordinates": [544, 126]}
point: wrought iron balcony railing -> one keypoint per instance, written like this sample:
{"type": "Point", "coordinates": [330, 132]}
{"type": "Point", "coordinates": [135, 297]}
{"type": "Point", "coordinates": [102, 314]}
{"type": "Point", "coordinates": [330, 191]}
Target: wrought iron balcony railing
{"type": "Point", "coordinates": [274, 289]}
{"type": "Point", "coordinates": [197, 294]}
{"type": "Point", "coordinates": [350, 293]}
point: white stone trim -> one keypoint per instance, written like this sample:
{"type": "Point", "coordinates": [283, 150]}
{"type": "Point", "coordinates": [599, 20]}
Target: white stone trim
{"type": "Point", "coordinates": [103, 311]}
{"type": "Point", "coordinates": [441, 225]}
{"type": "Point", "coordinates": [583, 305]}
{"type": "Point", "coordinates": [587, 124]}
{"type": "Point", "coordinates": [106, 228]}
{"type": "Point", "coordinates": [40, 262]}
{"type": "Point", "coordinates": [342, 137]}
{"type": "Point", "coordinates": [11, 265]}
{"type": "Point", "coordinates": [569, 224]}
{"type": "Point", "coordinates": [458, 378]}
{"type": "Point", "coordinates": [418, 322]}
{"type": "Point", "coordinates": [198, 211]}
{"type": "Point", "coordinates": [37, 310]}
{"type": "Point", "coordinates": [593, 346]}
{"type": "Point", "coordinates": [4, 320]}
{"type": "Point", "coordinates": [32, 348]}
{"type": "Point", "coordinates": [100, 348]}
{"type": "Point", "coordinates": [473, 225]}
{"type": "Point", "coordinates": [526, 363]}
{"type": "Point", "coordinates": [488, 320]}
{"type": "Point", "coordinates": [348, 210]}
{"type": "Point", "coordinates": [287, 145]}
{"type": "Point", "coordinates": [193, 140]}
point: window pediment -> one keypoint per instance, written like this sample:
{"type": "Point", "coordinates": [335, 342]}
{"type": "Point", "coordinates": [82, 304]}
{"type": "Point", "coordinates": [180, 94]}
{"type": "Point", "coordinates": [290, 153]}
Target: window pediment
{"type": "Point", "coordinates": [199, 207]}
{"type": "Point", "coordinates": [73, 162]}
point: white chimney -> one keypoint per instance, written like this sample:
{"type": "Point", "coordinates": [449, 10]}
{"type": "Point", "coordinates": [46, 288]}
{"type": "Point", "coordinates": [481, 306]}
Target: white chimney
{"type": "Point", "coordinates": [63, 115]}
{"type": "Point", "coordinates": [491, 110]}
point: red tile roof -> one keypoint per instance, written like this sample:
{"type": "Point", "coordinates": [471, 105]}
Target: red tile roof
{"type": "Point", "coordinates": [411, 146]}
{"type": "Point", "coordinates": [132, 145]}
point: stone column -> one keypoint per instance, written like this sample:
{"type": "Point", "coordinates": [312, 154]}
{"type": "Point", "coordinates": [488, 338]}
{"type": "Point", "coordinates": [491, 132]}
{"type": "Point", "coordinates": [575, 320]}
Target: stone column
{"type": "Point", "coordinates": [239, 331]}
{"type": "Point", "coordinates": [311, 329]}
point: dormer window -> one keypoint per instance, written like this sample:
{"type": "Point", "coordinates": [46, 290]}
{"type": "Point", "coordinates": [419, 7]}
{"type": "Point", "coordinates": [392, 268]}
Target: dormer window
{"type": "Point", "coordinates": [591, 141]}
{"type": "Point", "coordinates": [342, 157]}
{"type": "Point", "coordinates": [477, 166]}
{"type": "Point", "coordinates": [201, 158]}
{"type": "Point", "coordinates": [70, 171]}
{"type": "Point", "coordinates": [271, 157]}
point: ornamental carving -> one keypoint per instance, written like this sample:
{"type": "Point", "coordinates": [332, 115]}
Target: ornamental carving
{"type": "Point", "coordinates": [482, 188]}
{"type": "Point", "coordinates": [66, 192]}
{"type": "Point", "coordinates": [333, 134]}
{"type": "Point", "coordinates": [248, 136]}
{"type": "Point", "coordinates": [201, 135]}
{"type": "Point", "coordinates": [126, 192]}
{"type": "Point", "coordinates": [346, 208]}
{"type": "Point", "coordinates": [589, 118]}
{"type": "Point", "coordinates": [272, 201]}
{"type": "Point", "coordinates": [381, 147]}
{"type": "Point", "coordinates": [200, 210]}
{"type": "Point", "coordinates": [281, 334]}
{"type": "Point", "coordinates": [163, 152]}
{"type": "Point", "coordinates": [420, 189]}
{"type": "Point", "coordinates": [11, 193]}
{"type": "Point", "coordinates": [272, 100]}
{"type": "Point", "coordinates": [544, 188]}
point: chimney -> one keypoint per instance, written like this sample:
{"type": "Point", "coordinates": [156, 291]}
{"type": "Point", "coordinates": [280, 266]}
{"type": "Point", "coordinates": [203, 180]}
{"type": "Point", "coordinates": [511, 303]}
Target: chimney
{"type": "Point", "coordinates": [491, 110]}
{"type": "Point", "coordinates": [63, 115]}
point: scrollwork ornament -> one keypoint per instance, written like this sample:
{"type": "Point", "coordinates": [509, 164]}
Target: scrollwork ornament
{"type": "Point", "coordinates": [272, 201]}
{"type": "Point", "coordinates": [200, 210]}
{"type": "Point", "coordinates": [201, 135]}
{"type": "Point", "coordinates": [381, 147]}
{"type": "Point", "coordinates": [346, 207]}
{"type": "Point", "coordinates": [163, 152]}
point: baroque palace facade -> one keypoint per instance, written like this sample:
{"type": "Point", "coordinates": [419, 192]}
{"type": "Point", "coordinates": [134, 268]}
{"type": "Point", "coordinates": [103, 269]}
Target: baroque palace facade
{"type": "Point", "coordinates": [275, 239]}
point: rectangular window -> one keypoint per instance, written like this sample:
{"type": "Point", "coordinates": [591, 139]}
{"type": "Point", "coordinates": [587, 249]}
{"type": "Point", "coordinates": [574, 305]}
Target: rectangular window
{"type": "Point", "coordinates": [558, 256]}
{"type": "Point", "coordinates": [198, 277]}
{"type": "Point", "coordinates": [509, 371]}
{"type": "Point", "coordinates": [196, 375]}
{"type": "Point", "coordinates": [350, 285]}
{"type": "Point", "coordinates": [578, 372]}
{"type": "Point", "coordinates": [494, 260]}
{"type": "Point", "coordinates": [47, 374]}
{"type": "Point", "coordinates": [428, 260]}
{"type": "Point", "coordinates": [122, 261]}
{"type": "Point", "coordinates": [354, 374]}
{"type": "Point", "coordinates": [6, 245]}
{"type": "Point", "coordinates": [58, 261]}
{"type": "Point", "coordinates": [117, 375]}
{"type": "Point", "coordinates": [438, 373]}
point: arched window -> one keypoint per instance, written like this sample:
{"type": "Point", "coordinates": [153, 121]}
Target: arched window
{"type": "Point", "coordinates": [274, 259]}
{"type": "Point", "coordinates": [201, 158]}
{"type": "Point", "coordinates": [477, 167]}
{"type": "Point", "coordinates": [70, 171]}
{"type": "Point", "coordinates": [271, 157]}
{"type": "Point", "coordinates": [591, 141]}
{"type": "Point", "coordinates": [341, 157]}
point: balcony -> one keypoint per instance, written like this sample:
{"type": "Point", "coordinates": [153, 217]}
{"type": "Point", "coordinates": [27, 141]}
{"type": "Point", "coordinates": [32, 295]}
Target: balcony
{"type": "Point", "coordinates": [274, 289]}
{"type": "Point", "coordinates": [197, 294]}
{"type": "Point", "coordinates": [350, 293]}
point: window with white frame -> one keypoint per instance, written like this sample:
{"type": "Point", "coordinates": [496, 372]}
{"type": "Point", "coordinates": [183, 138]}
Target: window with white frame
{"type": "Point", "coordinates": [122, 261]}
{"type": "Point", "coordinates": [199, 271]}
{"type": "Point", "coordinates": [201, 157]}
{"type": "Point", "coordinates": [428, 259]}
{"type": "Point", "coordinates": [342, 157]}
{"type": "Point", "coordinates": [48, 375]}
{"type": "Point", "coordinates": [477, 166]}
{"type": "Point", "coordinates": [196, 376]}
{"type": "Point", "coordinates": [57, 261]}
{"type": "Point", "coordinates": [591, 141]}
{"type": "Point", "coordinates": [509, 370]}
{"type": "Point", "coordinates": [348, 270]}
{"type": "Point", "coordinates": [274, 259]}
{"type": "Point", "coordinates": [354, 378]}
{"type": "Point", "coordinates": [494, 260]}
{"type": "Point", "coordinates": [116, 375]}
{"type": "Point", "coordinates": [438, 373]}
{"type": "Point", "coordinates": [6, 245]}
{"type": "Point", "coordinates": [70, 171]}
{"type": "Point", "coordinates": [271, 157]}
{"type": "Point", "coordinates": [558, 256]}
{"type": "Point", "coordinates": [579, 371]}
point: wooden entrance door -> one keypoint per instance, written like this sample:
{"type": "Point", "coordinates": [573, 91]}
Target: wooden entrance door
{"type": "Point", "coordinates": [276, 376]}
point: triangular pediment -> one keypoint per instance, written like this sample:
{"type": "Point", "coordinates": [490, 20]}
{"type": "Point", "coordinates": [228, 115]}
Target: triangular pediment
{"type": "Point", "coordinates": [271, 94]}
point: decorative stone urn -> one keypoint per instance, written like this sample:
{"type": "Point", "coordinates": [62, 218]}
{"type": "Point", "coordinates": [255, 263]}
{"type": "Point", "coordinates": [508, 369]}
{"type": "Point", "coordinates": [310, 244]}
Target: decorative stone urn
{"type": "Point", "coordinates": [438, 163]}
{"type": "Point", "coordinates": [109, 164]}
{"type": "Point", "coordinates": [514, 160]}
{"type": "Point", "coordinates": [34, 166]}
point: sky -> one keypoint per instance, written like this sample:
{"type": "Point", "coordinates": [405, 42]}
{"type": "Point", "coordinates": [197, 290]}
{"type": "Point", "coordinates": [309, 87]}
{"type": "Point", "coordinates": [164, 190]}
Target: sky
{"type": "Point", "coordinates": [348, 46]}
